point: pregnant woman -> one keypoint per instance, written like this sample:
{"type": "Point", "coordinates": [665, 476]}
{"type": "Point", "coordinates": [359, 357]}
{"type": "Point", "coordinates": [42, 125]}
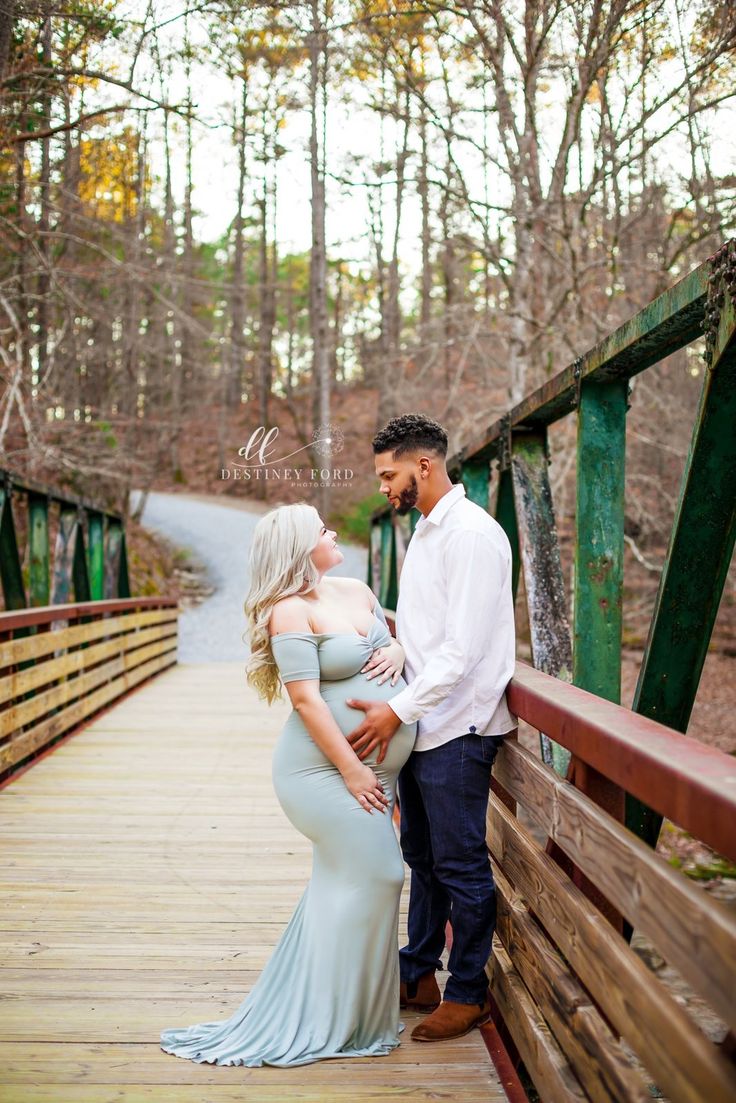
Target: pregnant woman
{"type": "Point", "coordinates": [331, 986]}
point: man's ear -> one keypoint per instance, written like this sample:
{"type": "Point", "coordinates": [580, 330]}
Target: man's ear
{"type": "Point", "coordinates": [425, 466]}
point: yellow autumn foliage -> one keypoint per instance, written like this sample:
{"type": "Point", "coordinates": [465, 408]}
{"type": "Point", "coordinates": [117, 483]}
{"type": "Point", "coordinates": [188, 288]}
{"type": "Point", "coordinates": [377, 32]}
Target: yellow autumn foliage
{"type": "Point", "coordinates": [108, 170]}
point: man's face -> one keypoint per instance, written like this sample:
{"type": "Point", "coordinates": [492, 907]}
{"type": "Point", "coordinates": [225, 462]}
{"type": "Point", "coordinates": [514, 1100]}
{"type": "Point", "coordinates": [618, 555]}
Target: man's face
{"type": "Point", "coordinates": [398, 478]}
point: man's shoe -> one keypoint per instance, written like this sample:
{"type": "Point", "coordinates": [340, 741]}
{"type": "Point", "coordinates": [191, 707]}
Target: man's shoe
{"type": "Point", "coordinates": [451, 1020]}
{"type": "Point", "coordinates": [423, 995]}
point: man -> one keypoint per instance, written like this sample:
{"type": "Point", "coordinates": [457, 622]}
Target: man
{"type": "Point", "coordinates": [455, 621]}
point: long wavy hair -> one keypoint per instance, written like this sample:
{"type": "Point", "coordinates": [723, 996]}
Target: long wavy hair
{"type": "Point", "coordinates": [280, 565]}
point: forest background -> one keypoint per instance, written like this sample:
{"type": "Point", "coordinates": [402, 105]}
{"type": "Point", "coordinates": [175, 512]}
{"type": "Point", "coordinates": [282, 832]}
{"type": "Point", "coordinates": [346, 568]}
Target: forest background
{"type": "Point", "coordinates": [315, 215]}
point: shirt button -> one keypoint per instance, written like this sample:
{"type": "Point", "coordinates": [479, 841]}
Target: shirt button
{"type": "Point", "coordinates": [472, 728]}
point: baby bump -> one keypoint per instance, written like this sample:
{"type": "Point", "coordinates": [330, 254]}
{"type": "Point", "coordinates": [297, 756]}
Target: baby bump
{"type": "Point", "coordinates": [302, 772]}
{"type": "Point", "coordinates": [348, 719]}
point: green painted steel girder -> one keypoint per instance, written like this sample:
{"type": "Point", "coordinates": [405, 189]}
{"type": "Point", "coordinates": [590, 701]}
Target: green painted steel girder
{"type": "Point", "coordinates": [599, 544]}
{"type": "Point", "coordinates": [374, 557]}
{"type": "Point", "coordinates": [116, 562]}
{"type": "Point", "coordinates": [96, 554]}
{"type": "Point", "coordinates": [476, 476]}
{"type": "Point", "coordinates": [70, 562]}
{"type": "Point", "coordinates": [666, 324]}
{"type": "Point", "coordinates": [123, 574]}
{"type": "Point", "coordinates": [38, 548]}
{"type": "Point", "coordinates": [10, 568]}
{"type": "Point", "coordinates": [388, 593]}
{"type": "Point", "coordinates": [506, 517]}
{"type": "Point", "coordinates": [700, 549]}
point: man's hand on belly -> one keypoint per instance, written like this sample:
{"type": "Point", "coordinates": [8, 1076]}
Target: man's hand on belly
{"type": "Point", "coordinates": [377, 730]}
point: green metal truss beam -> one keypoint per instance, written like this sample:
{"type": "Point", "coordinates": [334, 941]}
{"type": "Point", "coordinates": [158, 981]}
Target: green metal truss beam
{"type": "Point", "coordinates": [701, 544]}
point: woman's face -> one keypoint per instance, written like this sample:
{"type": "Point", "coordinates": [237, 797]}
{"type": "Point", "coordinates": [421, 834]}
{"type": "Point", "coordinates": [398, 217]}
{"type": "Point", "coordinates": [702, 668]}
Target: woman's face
{"type": "Point", "coordinates": [326, 553]}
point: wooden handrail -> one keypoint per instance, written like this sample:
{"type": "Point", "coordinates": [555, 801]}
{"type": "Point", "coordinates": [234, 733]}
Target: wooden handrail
{"type": "Point", "coordinates": [45, 614]}
{"type": "Point", "coordinates": [689, 782]}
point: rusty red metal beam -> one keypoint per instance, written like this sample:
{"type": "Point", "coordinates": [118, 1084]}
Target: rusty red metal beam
{"type": "Point", "coordinates": [45, 614]}
{"type": "Point", "coordinates": [689, 782]}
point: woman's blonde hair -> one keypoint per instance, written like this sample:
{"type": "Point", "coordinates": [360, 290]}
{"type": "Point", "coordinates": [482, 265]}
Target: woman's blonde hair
{"type": "Point", "coordinates": [280, 565]}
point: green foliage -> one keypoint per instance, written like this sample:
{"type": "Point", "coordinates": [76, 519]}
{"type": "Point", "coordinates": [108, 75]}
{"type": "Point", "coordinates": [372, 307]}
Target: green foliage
{"type": "Point", "coordinates": [106, 432]}
{"type": "Point", "coordinates": [353, 522]}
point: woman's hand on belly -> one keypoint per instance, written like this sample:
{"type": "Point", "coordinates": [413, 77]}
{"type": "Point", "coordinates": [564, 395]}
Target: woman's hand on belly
{"type": "Point", "coordinates": [385, 662]}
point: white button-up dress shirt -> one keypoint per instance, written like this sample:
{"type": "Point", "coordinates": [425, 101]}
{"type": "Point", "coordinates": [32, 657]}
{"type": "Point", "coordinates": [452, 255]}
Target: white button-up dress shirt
{"type": "Point", "coordinates": [455, 621]}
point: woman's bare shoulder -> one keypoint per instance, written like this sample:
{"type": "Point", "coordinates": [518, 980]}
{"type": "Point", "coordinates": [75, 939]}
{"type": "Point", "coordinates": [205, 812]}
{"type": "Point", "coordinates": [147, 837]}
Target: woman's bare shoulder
{"type": "Point", "coordinates": [289, 614]}
{"type": "Point", "coordinates": [353, 586]}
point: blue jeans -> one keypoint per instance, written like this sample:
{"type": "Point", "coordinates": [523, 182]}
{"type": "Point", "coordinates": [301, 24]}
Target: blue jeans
{"type": "Point", "coordinates": [444, 796]}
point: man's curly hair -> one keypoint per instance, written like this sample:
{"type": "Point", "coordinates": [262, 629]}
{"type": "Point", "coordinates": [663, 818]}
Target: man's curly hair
{"type": "Point", "coordinates": [409, 433]}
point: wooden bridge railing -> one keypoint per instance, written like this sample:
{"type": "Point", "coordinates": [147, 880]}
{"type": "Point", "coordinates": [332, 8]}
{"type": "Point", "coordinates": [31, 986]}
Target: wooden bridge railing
{"type": "Point", "coordinates": [59, 661]}
{"type": "Point", "coordinates": [568, 987]}
{"type": "Point", "coordinates": [78, 659]}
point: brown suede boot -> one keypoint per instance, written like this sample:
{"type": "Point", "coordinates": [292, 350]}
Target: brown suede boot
{"type": "Point", "coordinates": [451, 1020]}
{"type": "Point", "coordinates": [425, 994]}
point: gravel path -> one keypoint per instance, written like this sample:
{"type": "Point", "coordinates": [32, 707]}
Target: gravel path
{"type": "Point", "coordinates": [218, 535]}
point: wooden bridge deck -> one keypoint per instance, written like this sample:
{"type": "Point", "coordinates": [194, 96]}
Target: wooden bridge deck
{"type": "Point", "coordinates": [148, 871]}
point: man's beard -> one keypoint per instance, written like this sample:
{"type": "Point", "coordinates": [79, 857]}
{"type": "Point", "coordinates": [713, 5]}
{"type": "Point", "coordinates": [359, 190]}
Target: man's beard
{"type": "Point", "coordinates": [408, 498]}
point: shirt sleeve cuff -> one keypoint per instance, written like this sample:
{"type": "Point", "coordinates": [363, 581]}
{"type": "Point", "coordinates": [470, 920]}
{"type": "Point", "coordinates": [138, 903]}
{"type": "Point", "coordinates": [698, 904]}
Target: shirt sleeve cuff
{"type": "Point", "coordinates": [405, 708]}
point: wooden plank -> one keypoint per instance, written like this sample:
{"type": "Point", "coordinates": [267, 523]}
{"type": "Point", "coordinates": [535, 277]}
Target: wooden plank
{"type": "Point", "coordinates": [73, 662]}
{"type": "Point", "coordinates": [47, 641]}
{"type": "Point", "coordinates": [684, 1064]}
{"type": "Point", "coordinates": [694, 931]}
{"type": "Point", "coordinates": [598, 1060]}
{"type": "Point", "coordinates": [39, 704]}
{"type": "Point", "coordinates": [546, 1064]}
{"type": "Point", "coordinates": [18, 748]}
{"type": "Point", "coordinates": [140, 898]}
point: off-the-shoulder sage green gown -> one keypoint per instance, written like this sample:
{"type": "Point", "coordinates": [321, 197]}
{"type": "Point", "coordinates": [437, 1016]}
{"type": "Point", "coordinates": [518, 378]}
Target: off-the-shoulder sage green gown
{"type": "Point", "coordinates": [331, 986]}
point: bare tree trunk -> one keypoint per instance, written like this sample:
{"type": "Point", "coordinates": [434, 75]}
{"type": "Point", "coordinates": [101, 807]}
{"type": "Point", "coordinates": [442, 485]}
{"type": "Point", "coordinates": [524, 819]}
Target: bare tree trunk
{"type": "Point", "coordinates": [423, 187]}
{"type": "Point", "coordinates": [448, 273]}
{"type": "Point", "coordinates": [7, 22]}
{"type": "Point", "coordinates": [44, 222]}
{"type": "Point", "coordinates": [185, 352]}
{"type": "Point", "coordinates": [394, 308]}
{"type": "Point", "coordinates": [235, 375]}
{"type": "Point", "coordinates": [318, 266]}
{"type": "Point", "coordinates": [267, 278]}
